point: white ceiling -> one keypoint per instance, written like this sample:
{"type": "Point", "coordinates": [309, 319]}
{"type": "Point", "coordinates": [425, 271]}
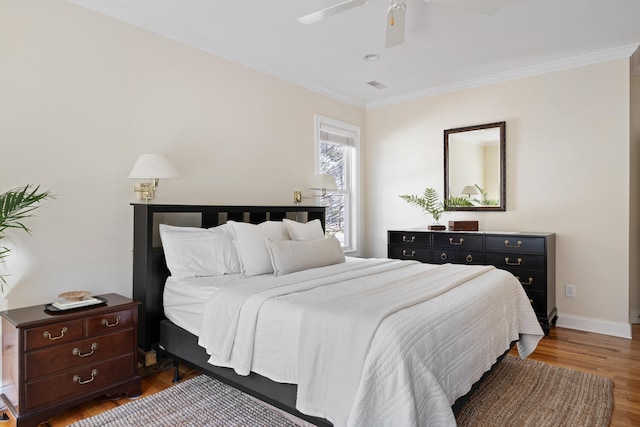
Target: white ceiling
{"type": "Point", "coordinates": [445, 48]}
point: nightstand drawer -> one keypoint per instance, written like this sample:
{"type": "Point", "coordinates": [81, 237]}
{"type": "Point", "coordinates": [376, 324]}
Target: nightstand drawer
{"type": "Point", "coordinates": [91, 350]}
{"type": "Point", "coordinates": [77, 381]}
{"type": "Point", "coordinates": [55, 333]}
{"type": "Point", "coordinates": [109, 322]}
{"type": "Point", "coordinates": [458, 241]}
{"type": "Point", "coordinates": [507, 243]}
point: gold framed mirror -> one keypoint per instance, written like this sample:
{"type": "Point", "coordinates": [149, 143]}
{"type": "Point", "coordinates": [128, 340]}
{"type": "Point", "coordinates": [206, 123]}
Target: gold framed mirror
{"type": "Point", "coordinates": [474, 168]}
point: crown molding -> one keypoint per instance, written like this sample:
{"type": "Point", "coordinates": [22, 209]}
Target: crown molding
{"type": "Point", "coordinates": [563, 64]}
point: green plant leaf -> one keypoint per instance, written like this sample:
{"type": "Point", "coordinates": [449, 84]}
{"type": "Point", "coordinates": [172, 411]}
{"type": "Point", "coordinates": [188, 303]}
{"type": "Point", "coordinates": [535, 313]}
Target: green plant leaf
{"type": "Point", "coordinates": [429, 201]}
{"type": "Point", "coordinates": [15, 206]}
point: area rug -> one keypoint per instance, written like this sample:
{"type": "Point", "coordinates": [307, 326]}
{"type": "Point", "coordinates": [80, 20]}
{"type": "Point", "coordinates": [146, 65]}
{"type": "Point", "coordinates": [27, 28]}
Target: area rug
{"type": "Point", "coordinates": [517, 393]}
{"type": "Point", "coordinates": [530, 393]}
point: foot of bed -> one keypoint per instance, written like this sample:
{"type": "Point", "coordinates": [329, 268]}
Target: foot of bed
{"type": "Point", "coordinates": [176, 372]}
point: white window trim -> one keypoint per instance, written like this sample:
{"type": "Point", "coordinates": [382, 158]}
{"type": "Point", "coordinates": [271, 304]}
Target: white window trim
{"type": "Point", "coordinates": [327, 123]}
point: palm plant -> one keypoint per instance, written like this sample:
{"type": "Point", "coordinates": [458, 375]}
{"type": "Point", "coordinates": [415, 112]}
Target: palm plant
{"type": "Point", "coordinates": [15, 206]}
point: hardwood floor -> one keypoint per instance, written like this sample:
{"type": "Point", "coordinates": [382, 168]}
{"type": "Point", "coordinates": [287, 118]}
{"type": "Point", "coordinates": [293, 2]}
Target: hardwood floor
{"type": "Point", "coordinates": [614, 358]}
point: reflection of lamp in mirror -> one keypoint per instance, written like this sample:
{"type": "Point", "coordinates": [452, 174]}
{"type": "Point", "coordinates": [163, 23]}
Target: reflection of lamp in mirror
{"type": "Point", "coordinates": [152, 167]}
{"type": "Point", "coordinates": [323, 182]}
{"type": "Point", "coordinates": [469, 190]}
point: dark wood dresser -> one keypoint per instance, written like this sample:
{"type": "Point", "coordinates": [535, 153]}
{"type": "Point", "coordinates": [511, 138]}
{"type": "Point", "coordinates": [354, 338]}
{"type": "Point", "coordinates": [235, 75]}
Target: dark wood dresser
{"type": "Point", "coordinates": [53, 360]}
{"type": "Point", "coordinates": [529, 256]}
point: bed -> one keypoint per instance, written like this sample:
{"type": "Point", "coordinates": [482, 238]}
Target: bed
{"type": "Point", "coordinates": [339, 341]}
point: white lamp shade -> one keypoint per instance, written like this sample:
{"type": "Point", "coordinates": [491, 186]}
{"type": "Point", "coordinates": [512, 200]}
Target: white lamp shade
{"type": "Point", "coordinates": [470, 190]}
{"type": "Point", "coordinates": [149, 166]}
{"type": "Point", "coordinates": [324, 181]}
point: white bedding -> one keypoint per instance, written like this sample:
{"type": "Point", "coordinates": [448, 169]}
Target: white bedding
{"type": "Point", "coordinates": [411, 360]}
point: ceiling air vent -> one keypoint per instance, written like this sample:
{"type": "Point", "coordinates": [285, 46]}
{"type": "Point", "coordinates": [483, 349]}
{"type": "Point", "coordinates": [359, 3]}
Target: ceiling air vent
{"type": "Point", "coordinates": [376, 84]}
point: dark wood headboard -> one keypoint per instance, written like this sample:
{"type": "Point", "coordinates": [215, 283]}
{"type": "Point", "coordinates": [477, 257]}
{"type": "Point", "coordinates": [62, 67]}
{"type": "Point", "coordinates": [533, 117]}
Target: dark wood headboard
{"type": "Point", "coordinates": [149, 267]}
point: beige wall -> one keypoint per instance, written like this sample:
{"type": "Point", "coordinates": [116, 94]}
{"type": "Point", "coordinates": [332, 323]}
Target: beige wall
{"type": "Point", "coordinates": [567, 172]}
{"type": "Point", "coordinates": [83, 95]}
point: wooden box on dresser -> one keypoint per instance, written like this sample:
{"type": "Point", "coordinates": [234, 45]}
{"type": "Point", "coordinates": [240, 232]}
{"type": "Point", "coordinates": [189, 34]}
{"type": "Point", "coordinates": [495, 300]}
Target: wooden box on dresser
{"type": "Point", "coordinates": [51, 361]}
{"type": "Point", "coordinates": [529, 256]}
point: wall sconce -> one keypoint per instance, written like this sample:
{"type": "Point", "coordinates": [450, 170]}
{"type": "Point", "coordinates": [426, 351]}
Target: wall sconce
{"type": "Point", "coordinates": [470, 190]}
{"type": "Point", "coordinates": [323, 182]}
{"type": "Point", "coordinates": [153, 167]}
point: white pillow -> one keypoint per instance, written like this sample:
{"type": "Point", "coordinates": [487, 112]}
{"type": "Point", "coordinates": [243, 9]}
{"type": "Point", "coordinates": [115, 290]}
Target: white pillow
{"type": "Point", "coordinates": [311, 230]}
{"type": "Point", "coordinates": [196, 252]}
{"type": "Point", "coordinates": [250, 243]}
{"type": "Point", "coordinates": [295, 255]}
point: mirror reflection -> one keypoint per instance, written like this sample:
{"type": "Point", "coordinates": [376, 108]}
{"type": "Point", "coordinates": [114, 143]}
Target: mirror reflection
{"type": "Point", "coordinates": [474, 167]}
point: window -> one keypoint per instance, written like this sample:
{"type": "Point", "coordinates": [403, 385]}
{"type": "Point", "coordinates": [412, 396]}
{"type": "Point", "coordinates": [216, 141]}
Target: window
{"type": "Point", "coordinates": [337, 146]}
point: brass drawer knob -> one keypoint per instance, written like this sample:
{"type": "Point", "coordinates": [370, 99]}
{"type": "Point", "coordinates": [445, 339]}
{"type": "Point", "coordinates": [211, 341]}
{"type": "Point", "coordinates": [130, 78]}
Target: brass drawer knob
{"type": "Point", "coordinates": [529, 282]}
{"type": "Point", "coordinates": [469, 258]}
{"type": "Point", "coordinates": [79, 380]}
{"type": "Point", "coordinates": [517, 245]}
{"type": "Point", "coordinates": [47, 334]}
{"type": "Point", "coordinates": [460, 241]}
{"type": "Point", "coordinates": [106, 323]}
{"type": "Point", "coordinates": [443, 256]}
{"type": "Point", "coordinates": [76, 351]}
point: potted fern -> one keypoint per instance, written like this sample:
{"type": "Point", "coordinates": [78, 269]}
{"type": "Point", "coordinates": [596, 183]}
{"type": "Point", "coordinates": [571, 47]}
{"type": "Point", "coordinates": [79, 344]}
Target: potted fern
{"type": "Point", "coordinates": [430, 202]}
{"type": "Point", "coordinates": [15, 206]}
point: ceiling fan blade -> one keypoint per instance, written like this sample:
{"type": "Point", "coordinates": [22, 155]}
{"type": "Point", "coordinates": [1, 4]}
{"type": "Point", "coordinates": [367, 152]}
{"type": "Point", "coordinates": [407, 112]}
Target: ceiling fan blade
{"type": "Point", "coordinates": [395, 25]}
{"type": "Point", "coordinates": [488, 7]}
{"type": "Point", "coordinates": [330, 11]}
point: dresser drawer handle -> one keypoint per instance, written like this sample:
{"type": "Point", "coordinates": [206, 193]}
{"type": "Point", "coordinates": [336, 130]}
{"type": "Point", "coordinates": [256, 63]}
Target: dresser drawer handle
{"type": "Point", "coordinates": [47, 334]}
{"type": "Point", "coordinates": [77, 379]}
{"type": "Point", "coordinates": [469, 258]}
{"type": "Point", "coordinates": [76, 351]}
{"type": "Point", "coordinates": [506, 243]}
{"type": "Point", "coordinates": [529, 282]}
{"type": "Point", "coordinates": [519, 262]}
{"type": "Point", "coordinates": [443, 256]}
{"type": "Point", "coordinates": [460, 241]}
{"type": "Point", "coordinates": [405, 253]}
{"type": "Point", "coordinates": [106, 323]}
{"type": "Point", "coordinates": [412, 240]}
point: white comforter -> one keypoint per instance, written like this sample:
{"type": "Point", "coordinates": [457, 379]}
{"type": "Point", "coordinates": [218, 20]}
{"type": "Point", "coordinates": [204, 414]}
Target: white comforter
{"type": "Point", "coordinates": [393, 342]}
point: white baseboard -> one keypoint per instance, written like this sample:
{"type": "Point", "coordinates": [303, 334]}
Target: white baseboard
{"type": "Point", "coordinates": [598, 326]}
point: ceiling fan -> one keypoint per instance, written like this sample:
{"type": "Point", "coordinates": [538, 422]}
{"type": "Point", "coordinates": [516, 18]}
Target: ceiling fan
{"type": "Point", "coordinates": [396, 13]}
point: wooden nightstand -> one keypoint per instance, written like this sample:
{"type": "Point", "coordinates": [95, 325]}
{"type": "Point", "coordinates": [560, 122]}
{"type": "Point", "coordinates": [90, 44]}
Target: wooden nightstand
{"type": "Point", "coordinates": [51, 361]}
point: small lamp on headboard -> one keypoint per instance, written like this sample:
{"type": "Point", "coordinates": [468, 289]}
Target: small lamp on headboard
{"type": "Point", "coordinates": [152, 167]}
{"type": "Point", "coordinates": [323, 182]}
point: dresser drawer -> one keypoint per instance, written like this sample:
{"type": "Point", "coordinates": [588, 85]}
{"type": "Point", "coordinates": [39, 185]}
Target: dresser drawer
{"type": "Point", "coordinates": [407, 238]}
{"type": "Point", "coordinates": [458, 241]}
{"type": "Point", "coordinates": [510, 244]}
{"type": "Point", "coordinates": [109, 322]}
{"type": "Point", "coordinates": [55, 333]}
{"type": "Point", "coordinates": [409, 252]}
{"type": "Point", "coordinates": [77, 381]}
{"type": "Point", "coordinates": [91, 350]}
{"type": "Point", "coordinates": [509, 261]}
